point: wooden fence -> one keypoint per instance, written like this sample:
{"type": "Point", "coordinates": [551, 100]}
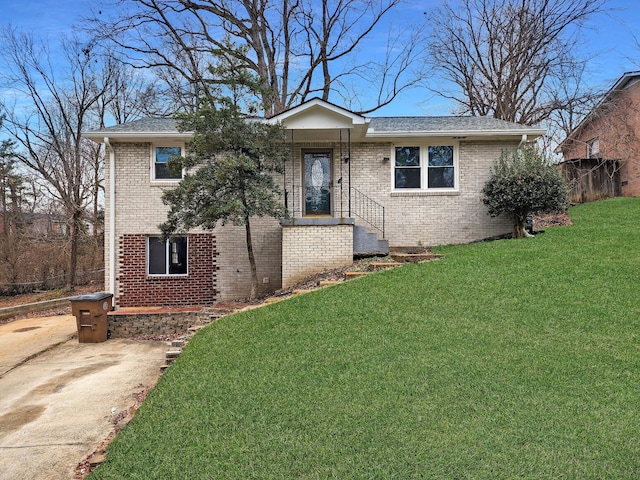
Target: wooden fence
{"type": "Point", "coordinates": [592, 179]}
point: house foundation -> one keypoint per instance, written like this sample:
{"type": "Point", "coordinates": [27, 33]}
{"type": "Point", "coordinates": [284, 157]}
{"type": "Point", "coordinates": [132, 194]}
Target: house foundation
{"type": "Point", "coordinates": [311, 245]}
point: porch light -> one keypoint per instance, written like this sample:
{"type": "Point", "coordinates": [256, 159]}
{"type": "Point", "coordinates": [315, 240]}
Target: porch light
{"type": "Point", "coordinates": [346, 159]}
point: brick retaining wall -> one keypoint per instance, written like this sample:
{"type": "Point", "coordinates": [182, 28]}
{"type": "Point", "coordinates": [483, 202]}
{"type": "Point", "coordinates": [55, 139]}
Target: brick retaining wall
{"type": "Point", "coordinates": [163, 322]}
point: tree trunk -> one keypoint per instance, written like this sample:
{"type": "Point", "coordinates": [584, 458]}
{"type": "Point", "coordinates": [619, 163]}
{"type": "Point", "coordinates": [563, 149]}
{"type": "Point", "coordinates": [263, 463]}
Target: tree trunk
{"type": "Point", "coordinates": [74, 237]}
{"type": "Point", "coordinates": [252, 261]}
{"type": "Point", "coordinates": [518, 226]}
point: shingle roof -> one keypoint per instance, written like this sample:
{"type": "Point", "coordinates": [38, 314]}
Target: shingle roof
{"type": "Point", "coordinates": [377, 126]}
{"type": "Point", "coordinates": [442, 124]}
{"type": "Point", "coordinates": [144, 125]}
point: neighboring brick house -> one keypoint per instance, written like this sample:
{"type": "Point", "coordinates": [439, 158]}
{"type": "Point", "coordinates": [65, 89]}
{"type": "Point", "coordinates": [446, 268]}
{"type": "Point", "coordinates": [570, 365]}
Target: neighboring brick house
{"type": "Point", "coordinates": [602, 154]}
{"type": "Point", "coordinates": [414, 181]}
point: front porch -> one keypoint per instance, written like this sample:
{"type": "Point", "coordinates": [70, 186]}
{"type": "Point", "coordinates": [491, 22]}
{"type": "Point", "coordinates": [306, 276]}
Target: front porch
{"type": "Point", "coordinates": [329, 221]}
{"type": "Point", "coordinates": [313, 244]}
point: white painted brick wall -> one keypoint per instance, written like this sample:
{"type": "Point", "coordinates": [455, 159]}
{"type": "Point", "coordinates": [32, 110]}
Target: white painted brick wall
{"type": "Point", "coordinates": [424, 218]}
{"type": "Point", "coordinates": [308, 249]}
{"type": "Point", "coordinates": [411, 219]}
{"type": "Point", "coordinates": [139, 209]}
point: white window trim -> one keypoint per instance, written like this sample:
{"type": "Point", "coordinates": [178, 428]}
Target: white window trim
{"type": "Point", "coordinates": [424, 158]}
{"type": "Point", "coordinates": [152, 162]}
{"type": "Point", "coordinates": [164, 275]}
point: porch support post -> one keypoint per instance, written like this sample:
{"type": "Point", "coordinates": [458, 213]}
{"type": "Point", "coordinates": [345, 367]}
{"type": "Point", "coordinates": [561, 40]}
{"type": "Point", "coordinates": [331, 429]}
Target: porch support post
{"type": "Point", "coordinates": [349, 153]}
{"type": "Point", "coordinates": [293, 176]}
{"type": "Point", "coordinates": [284, 177]}
{"type": "Point", "coordinates": [341, 177]}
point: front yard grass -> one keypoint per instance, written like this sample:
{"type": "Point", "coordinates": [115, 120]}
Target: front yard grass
{"type": "Point", "coordinates": [507, 359]}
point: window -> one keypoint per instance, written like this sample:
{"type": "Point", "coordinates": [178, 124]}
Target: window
{"type": "Point", "coordinates": [440, 168]}
{"type": "Point", "coordinates": [161, 156]}
{"type": "Point", "coordinates": [167, 258]}
{"type": "Point", "coordinates": [593, 148]}
{"type": "Point", "coordinates": [407, 167]}
{"type": "Point", "coordinates": [428, 167]}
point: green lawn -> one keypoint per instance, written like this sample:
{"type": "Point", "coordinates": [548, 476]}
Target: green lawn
{"type": "Point", "coordinates": [507, 359]}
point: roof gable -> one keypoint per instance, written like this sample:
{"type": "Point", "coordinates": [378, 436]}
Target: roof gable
{"type": "Point", "coordinates": [627, 80]}
{"type": "Point", "coordinates": [318, 114]}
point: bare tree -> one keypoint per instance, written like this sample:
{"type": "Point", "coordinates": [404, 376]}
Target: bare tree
{"type": "Point", "coordinates": [298, 48]}
{"type": "Point", "coordinates": [127, 95]}
{"type": "Point", "coordinates": [510, 58]}
{"type": "Point", "coordinates": [10, 185]}
{"type": "Point", "coordinates": [48, 130]}
{"type": "Point", "coordinates": [574, 99]}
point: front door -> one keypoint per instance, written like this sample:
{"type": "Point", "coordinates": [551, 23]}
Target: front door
{"type": "Point", "coordinates": [317, 183]}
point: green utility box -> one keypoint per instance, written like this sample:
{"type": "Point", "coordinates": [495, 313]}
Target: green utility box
{"type": "Point", "coordinates": [90, 311]}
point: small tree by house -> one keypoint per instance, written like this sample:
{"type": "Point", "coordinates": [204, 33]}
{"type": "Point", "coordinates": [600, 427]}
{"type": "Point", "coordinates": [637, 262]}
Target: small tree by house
{"type": "Point", "coordinates": [231, 163]}
{"type": "Point", "coordinates": [523, 182]}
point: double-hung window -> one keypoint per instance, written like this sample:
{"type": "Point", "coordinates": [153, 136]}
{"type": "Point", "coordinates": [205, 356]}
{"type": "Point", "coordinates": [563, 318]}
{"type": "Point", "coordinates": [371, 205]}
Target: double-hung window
{"type": "Point", "coordinates": [593, 148]}
{"type": "Point", "coordinates": [425, 167]}
{"type": "Point", "coordinates": [167, 258]}
{"type": "Point", "coordinates": [160, 157]}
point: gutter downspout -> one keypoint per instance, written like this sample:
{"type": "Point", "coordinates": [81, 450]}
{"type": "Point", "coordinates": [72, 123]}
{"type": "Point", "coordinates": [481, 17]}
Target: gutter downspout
{"type": "Point", "coordinates": [112, 217]}
{"type": "Point", "coordinates": [523, 141]}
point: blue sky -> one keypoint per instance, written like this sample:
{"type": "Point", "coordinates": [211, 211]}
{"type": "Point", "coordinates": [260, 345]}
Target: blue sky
{"type": "Point", "coordinates": [608, 39]}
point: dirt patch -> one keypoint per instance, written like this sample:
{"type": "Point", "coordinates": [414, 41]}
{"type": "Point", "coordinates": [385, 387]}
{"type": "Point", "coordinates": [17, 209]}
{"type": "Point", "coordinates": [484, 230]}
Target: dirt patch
{"type": "Point", "coordinates": [557, 219]}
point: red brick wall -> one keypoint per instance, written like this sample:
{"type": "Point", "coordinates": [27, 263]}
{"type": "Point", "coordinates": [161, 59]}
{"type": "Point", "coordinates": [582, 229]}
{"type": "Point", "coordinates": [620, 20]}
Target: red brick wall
{"type": "Point", "coordinates": [136, 288]}
{"type": "Point", "coordinates": [617, 126]}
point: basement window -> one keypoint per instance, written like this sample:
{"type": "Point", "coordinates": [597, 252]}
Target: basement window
{"type": "Point", "coordinates": [167, 258]}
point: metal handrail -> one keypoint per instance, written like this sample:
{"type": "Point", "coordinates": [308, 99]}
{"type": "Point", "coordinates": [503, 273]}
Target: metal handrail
{"type": "Point", "coordinates": [367, 209]}
{"type": "Point", "coordinates": [345, 202]}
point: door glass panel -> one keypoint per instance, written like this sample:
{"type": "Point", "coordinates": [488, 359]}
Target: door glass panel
{"type": "Point", "coordinates": [317, 182]}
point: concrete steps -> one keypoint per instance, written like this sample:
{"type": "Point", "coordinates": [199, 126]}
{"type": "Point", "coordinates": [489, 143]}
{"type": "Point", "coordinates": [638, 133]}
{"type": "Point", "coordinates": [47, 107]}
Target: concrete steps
{"type": "Point", "coordinates": [414, 257]}
{"type": "Point", "coordinates": [176, 346]}
{"type": "Point", "coordinates": [175, 350]}
{"type": "Point", "coordinates": [382, 265]}
{"type": "Point", "coordinates": [367, 243]}
{"type": "Point", "coordinates": [349, 275]}
{"type": "Point", "coordinates": [399, 259]}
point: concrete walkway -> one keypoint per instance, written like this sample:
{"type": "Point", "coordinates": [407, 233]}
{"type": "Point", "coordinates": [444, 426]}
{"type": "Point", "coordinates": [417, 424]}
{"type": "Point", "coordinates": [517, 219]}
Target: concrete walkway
{"type": "Point", "coordinates": [23, 338]}
{"type": "Point", "coordinates": [59, 398]}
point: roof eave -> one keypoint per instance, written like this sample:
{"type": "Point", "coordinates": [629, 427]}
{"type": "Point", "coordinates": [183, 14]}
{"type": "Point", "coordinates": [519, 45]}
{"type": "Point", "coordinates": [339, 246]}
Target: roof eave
{"type": "Point", "coordinates": [534, 132]}
{"type": "Point", "coordinates": [99, 137]}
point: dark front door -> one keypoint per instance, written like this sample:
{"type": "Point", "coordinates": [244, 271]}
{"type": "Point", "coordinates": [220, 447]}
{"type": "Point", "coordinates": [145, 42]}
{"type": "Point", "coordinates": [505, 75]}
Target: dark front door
{"type": "Point", "coordinates": [317, 183]}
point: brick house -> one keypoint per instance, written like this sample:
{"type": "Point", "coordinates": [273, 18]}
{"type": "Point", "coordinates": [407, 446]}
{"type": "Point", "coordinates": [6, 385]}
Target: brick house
{"type": "Point", "coordinates": [602, 154]}
{"type": "Point", "coordinates": [353, 185]}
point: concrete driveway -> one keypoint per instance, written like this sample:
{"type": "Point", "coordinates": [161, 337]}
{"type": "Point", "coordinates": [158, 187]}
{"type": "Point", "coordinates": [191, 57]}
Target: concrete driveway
{"type": "Point", "coordinates": [59, 398]}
